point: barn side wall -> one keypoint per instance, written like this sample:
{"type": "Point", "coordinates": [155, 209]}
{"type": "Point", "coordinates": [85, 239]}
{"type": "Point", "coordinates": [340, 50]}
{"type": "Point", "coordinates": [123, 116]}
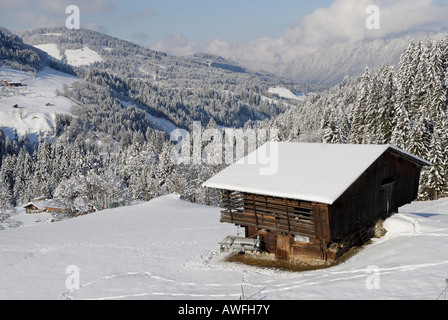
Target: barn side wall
{"type": "Point", "coordinates": [391, 182]}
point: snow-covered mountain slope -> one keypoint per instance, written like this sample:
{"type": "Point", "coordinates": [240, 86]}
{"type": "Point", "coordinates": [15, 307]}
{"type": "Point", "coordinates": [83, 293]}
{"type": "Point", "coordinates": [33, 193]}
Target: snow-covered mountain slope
{"type": "Point", "coordinates": [168, 249]}
{"type": "Point", "coordinates": [331, 65]}
{"type": "Point", "coordinates": [37, 102]}
{"type": "Point", "coordinates": [179, 89]}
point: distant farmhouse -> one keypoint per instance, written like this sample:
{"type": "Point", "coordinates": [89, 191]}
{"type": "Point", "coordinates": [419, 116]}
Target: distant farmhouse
{"type": "Point", "coordinates": [42, 204]}
{"type": "Point", "coordinates": [322, 200]}
{"type": "Point", "coordinates": [10, 84]}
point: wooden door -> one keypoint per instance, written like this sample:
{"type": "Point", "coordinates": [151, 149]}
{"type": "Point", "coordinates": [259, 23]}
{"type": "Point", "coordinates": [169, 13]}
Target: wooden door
{"type": "Point", "coordinates": [387, 197]}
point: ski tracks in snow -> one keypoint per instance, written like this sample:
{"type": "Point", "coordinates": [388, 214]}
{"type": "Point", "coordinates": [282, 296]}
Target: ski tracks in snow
{"type": "Point", "coordinates": [148, 285]}
{"type": "Point", "coordinates": [229, 280]}
{"type": "Point", "coordinates": [152, 283]}
{"type": "Point", "coordinates": [257, 283]}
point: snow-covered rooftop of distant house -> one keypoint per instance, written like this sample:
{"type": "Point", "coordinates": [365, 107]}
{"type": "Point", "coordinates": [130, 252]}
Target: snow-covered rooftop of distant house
{"type": "Point", "coordinates": [48, 203]}
{"type": "Point", "coordinates": [305, 171]}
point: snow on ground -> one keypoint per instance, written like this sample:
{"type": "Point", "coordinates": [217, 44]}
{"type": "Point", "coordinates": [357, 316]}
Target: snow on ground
{"type": "Point", "coordinates": [285, 93]}
{"type": "Point", "coordinates": [77, 58]}
{"type": "Point", "coordinates": [168, 249]}
{"type": "Point", "coordinates": [51, 49]}
{"type": "Point", "coordinates": [82, 57]}
{"type": "Point", "coordinates": [32, 113]}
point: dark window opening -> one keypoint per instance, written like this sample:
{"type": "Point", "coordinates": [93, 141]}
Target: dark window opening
{"type": "Point", "coordinates": [387, 181]}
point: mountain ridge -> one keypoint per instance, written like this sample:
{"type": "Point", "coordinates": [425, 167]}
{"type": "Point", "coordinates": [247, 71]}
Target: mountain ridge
{"type": "Point", "coordinates": [330, 66]}
{"type": "Point", "coordinates": [183, 89]}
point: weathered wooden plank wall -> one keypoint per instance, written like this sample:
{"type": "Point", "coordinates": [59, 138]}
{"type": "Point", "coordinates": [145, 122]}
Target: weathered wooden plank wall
{"type": "Point", "coordinates": [276, 214]}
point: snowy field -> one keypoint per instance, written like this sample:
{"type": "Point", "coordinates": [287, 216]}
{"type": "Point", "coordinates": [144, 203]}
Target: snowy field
{"type": "Point", "coordinates": [285, 93]}
{"type": "Point", "coordinates": [37, 102]}
{"type": "Point", "coordinates": [51, 49]}
{"type": "Point", "coordinates": [77, 58]}
{"type": "Point", "coordinates": [168, 249]}
{"type": "Point", "coordinates": [82, 57]}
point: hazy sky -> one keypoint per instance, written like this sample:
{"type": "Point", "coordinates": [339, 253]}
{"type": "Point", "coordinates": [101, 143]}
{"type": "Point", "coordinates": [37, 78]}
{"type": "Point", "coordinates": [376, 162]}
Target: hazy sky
{"type": "Point", "coordinates": [267, 30]}
{"type": "Point", "coordinates": [200, 20]}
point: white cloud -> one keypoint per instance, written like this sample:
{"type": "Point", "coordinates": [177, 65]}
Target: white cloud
{"type": "Point", "coordinates": [177, 44]}
{"type": "Point", "coordinates": [141, 14]}
{"type": "Point", "coordinates": [404, 15]}
{"type": "Point", "coordinates": [141, 38]}
{"type": "Point", "coordinates": [57, 7]}
{"type": "Point", "coordinates": [94, 26]}
{"type": "Point", "coordinates": [51, 13]}
{"type": "Point", "coordinates": [344, 21]}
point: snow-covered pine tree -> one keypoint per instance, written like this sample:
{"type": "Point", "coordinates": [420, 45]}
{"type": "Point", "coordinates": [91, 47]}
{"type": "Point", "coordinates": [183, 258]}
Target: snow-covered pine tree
{"type": "Point", "coordinates": [441, 130]}
{"type": "Point", "coordinates": [23, 171]}
{"type": "Point", "coordinates": [386, 105]}
{"type": "Point", "coordinates": [373, 117]}
{"type": "Point", "coordinates": [432, 180]}
{"type": "Point", "coordinates": [165, 168]}
{"type": "Point", "coordinates": [436, 98]}
{"type": "Point", "coordinates": [405, 75]}
{"type": "Point", "coordinates": [401, 125]}
{"type": "Point", "coordinates": [7, 178]}
{"type": "Point", "coordinates": [358, 133]}
{"type": "Point", "coordinates": [330, 127]}
{"type": "Point", "coordinates": [416, 144]}
{"type": "Point", "coordinates": [5, 197]}
{"type": "Point", "coordinates": [331, 133]}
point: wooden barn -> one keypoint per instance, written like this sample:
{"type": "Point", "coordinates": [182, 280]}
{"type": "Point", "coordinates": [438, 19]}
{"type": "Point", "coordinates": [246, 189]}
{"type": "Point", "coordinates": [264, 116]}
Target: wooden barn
{"type": "Point", "coordinates": [317, 200]}
{"type": "Point", "coordinates": [10, 84]}
{"type": "Point", "coordinates": [40, 205]}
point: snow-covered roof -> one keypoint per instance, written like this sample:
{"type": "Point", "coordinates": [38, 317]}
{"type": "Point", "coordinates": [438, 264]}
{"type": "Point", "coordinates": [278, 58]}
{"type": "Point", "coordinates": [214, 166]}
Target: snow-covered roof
{"type": "Point", "coordinates": [305, 171]}
{"type": "Point", "coordinates": [38, 204]}
{"type": "Point", "coordinates": [43, 205]}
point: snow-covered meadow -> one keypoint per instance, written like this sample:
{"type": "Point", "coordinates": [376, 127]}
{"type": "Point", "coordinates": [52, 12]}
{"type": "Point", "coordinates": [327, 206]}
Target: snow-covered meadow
{"type": "Point", "coordinates": [285, 93]}
{"type": "Point", "coordinates": [168, 249]}
{"type": "Point", "coordinates": [79, 57]}
{"type": "Point", "coordinates": [82, 57]}
{"type": "Point", "coordinates": [38, 101]}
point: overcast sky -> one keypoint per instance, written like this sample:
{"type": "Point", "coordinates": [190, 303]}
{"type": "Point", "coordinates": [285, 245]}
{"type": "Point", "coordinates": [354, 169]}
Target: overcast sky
{"type": "Point", "coordinates": [258, 30]}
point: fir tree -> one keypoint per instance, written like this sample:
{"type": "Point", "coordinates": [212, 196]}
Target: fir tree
{"type": "Point", "coordinates": [386, 106]}
{"type": "Point", "coordinates": [433, 182]}
{"type": "Point", "coordinates": [358, 130]}
{"type": "Point", "coordinates": [332, 133]}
